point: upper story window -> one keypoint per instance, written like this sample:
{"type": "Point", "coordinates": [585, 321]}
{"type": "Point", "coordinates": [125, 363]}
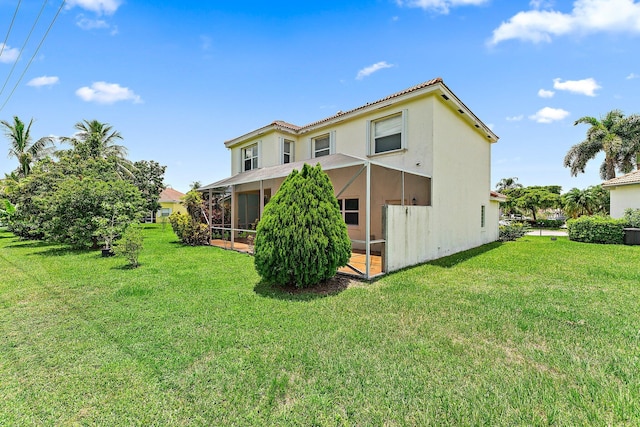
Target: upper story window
{"type": "Point", "coordinates": [321, 146]}
{"type": "Point", "coordinates": [250, 158]}
{"type": "Point", "coordinates": [287, 151]}
{"type": "Point", "coordinates": [387, 134]}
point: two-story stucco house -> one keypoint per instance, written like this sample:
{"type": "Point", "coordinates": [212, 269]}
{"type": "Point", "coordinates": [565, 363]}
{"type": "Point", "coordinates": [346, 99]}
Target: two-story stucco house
{"type": "Point", "coordinates": [411, 172]}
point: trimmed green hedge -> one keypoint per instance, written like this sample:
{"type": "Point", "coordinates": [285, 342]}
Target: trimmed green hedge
{"type": "Point", "coordinates": [597, 229]}
{"type": "Point", "coordinates": [548, 223]}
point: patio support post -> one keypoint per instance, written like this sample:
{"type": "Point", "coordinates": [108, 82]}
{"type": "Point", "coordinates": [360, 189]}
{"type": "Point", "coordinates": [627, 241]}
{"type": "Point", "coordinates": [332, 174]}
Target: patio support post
{"type": "Point", "coordinates": [261, 204]}
{"type": "Point", "coordinates": [233, 214]}
{"type": "Point", "coordinates": [402, 199]}
{"type": "Point", "coordinates": [367, 223]}
{"type": "Point", "coordinates": [210, 214]}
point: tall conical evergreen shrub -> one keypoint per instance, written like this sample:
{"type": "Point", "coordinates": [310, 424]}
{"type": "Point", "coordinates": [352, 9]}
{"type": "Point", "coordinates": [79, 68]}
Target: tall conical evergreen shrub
{"type": "Point", "coordinates": [301, 238]}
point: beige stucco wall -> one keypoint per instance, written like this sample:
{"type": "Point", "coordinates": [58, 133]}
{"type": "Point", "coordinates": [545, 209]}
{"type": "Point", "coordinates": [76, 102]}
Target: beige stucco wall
{"type": "Point", "coordinates": [624, 197]}
{"type": "Point", "coordinates": [461, 184]}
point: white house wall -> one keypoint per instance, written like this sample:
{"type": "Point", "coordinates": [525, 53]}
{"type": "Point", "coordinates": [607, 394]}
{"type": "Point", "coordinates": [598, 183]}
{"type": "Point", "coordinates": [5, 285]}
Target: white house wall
{"type": "Point", "coordinates": [624, 197]}
{"type": "Point", "coordinates": [460, 184]}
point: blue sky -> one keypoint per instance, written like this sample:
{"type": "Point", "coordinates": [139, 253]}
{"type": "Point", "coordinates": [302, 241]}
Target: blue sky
{"type": "Point", "coordinates": [178, 78]}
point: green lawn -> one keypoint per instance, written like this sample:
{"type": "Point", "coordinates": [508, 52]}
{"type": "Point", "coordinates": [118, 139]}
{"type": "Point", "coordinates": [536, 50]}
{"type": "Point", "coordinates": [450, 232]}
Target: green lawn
{"type": "Point", "coordinates": [530, 332]}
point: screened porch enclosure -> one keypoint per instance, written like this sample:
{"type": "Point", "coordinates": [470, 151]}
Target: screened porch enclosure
{"type": "Point", "coordinates": [362, 188]}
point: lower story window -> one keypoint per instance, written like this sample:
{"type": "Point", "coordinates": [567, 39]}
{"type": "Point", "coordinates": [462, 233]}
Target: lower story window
{"type": "Point", "coordinates": [165, 212]}
{"type": "Point", "coordinates": [350, 210]}
{"type": "Point", "coordinates": [482, 216]}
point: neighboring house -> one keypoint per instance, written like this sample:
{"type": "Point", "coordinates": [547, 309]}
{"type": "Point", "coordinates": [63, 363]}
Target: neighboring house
{"type": "Point", "coordinates": [169, 203]}
{"type": "Point", "coordinates": [625, 193]}
{"type": "Point", "coordinates": [411, 172]}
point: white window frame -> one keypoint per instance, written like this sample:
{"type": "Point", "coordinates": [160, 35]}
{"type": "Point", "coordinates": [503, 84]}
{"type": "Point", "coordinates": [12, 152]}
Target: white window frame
{"type": "Point", "coordinates": [371, 132]}
{"type": "Point", "coordinates": [283, 153]}
{"type": "Point", "coordinates": [332, 144]}
{"type": "Point", "coordinates": [164, 212]}
{"type": "Point", "coordinates": [255, 156]}
{"type": "Point", "coordinates": [343, 210]}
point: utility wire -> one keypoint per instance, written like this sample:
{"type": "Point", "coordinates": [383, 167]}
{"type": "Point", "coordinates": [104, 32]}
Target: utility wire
{"type": "Point", "coordinates": [23, 46]}
{"type": "Point", "coordinates": [10, 26]}
{"type": "Point", "coordinates": [34, 55]}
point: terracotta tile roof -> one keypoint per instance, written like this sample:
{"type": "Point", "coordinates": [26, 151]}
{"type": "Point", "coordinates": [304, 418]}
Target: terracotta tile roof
{"type": "Point", "coordinates": [285, 125]}
{"type": "Point", "coordinates": [368, 104]}
{"type": "Point", "coordinates": [169, 195]}
{"type": "Point", "coordinates": [497, 195]}
{"type": "Point", "coordinates": [630, 178]}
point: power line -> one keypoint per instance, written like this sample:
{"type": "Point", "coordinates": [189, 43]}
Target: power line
{"type": "Point", "coordinates": [34, 53]}
{"type": "Point", "coordinates": [23, 46]}
{"type": "Point", "coordinates": [10, 26]}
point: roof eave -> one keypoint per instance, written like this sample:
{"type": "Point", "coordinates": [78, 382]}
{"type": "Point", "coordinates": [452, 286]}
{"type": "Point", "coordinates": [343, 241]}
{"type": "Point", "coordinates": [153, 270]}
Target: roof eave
{"type": "Point", "coordinates": [261, 131]}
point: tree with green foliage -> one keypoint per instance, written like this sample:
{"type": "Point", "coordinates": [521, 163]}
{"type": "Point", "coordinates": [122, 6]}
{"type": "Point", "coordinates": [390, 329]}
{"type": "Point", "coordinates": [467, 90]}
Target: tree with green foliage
{"type": "Point", "coordinates": [590, 201]}
{"type": "Point", "coordinates": [97, 140]}
{"type": "Point", "coordinates": [507, 183]}
{"type": "Point", "coordinates": [148, 176]}
{"type": "Point", "coordinates": [22, 146]}
{"type": "Point", "coordinates": [615, 135]}
{"type": "Point", "coordinates": [130, 244]}
{"type": "Point", "coordinates": [7, 210]}
{"type": "Point", "coordinates": [80, 211]}
{"type": "Point", "coordinates": [191, 228]}
{"type": "Point", "coordinates": [302, 239]}
{"type": "Point", "coordinates": [534, 198]}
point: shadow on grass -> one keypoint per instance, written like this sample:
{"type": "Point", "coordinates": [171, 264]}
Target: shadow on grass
{"type": "Point", "coordinates": [328, 288]}
{"type": "Point", "coordinates": [452, 260]}
{"type": "Point", "coordinates": [58, 251]}
{"type": "Point", "coordinates": [31, 244]}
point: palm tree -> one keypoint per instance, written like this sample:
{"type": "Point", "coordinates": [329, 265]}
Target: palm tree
{"type": "Point", "coordinates": [97, 140]}
{"type": "Point", "coordinates": [590, 201]}
{"type": "Point", "coordinates": [507, 183]}
{"type": "Point", "coordinates": [22, 147]}
{"type": "Point", "coordinates": [615, 135]}
{"type": "Point", "coordinates": [579, 202]}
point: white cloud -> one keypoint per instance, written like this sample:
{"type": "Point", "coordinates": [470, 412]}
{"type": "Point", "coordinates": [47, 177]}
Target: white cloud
{"type": "Point", "coordinates": [587, 16]}
{"type": "Point", "coordinates": [543, 93]}
{"type": "Point", "coordinates": [633, 76]}
{"type": "Point", "coordinates": [107, 7]}
{"type": "Point", "coordinates": [90, 24]}
{"type": "Point", "coordinates": [9, 54]}
{"type": "Point", "coordinates": [43, 81]}
{"type": "Point", "coordinates": [441, 6]}
{"type": "Point", "coordinates": [515, 118]}
{"type": "Point", "coordinates": [548, 115]}
{"type": "Point", "coordinates": [367, 71]}
{"type": "Point", "coordinates": [581, 87]}
{"type": "Point", "coordinates": [107, 93]}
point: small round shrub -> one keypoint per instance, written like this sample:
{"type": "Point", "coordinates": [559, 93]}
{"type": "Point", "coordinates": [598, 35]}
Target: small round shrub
{"type": "Point", "coordinates": [190, 227]}
{"type": "Point", "coordinates": [302, 239]}
{"type": "Point", "coordinates": [632, 217]}
{"type": "Point", "coordinates": [130, 244]}
{"type": "Point", "coordinates": [512, 231]}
